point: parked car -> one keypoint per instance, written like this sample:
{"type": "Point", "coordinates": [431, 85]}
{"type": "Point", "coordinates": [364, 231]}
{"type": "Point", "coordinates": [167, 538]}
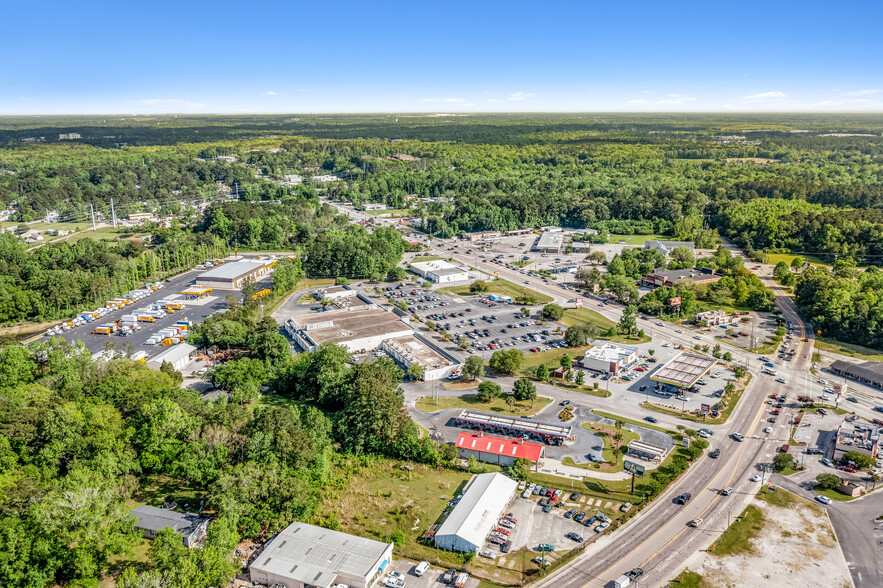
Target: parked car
{"type": "Point", "coordinates": [546, 547]}
{"type": "Point", "coordinates": [575, 537]}
{"type": "Point", "coordinates": [579, 518]}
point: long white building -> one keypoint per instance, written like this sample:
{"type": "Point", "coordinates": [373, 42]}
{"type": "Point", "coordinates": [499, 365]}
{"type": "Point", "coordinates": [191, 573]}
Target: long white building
{"type": "Point", "coordinates": [485, 499]}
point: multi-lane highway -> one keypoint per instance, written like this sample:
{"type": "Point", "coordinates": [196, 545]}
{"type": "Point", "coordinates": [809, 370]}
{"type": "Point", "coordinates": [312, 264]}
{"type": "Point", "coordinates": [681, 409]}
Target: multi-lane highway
{"type": "Point", "coordinates": [660, 539]}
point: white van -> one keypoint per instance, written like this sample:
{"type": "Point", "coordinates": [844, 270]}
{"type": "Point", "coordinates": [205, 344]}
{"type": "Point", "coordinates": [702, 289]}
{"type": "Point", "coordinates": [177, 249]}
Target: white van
{"type": "Point", "coordinates": [421, 568]}
{"type": "Point", "coordinates": [461, 580]}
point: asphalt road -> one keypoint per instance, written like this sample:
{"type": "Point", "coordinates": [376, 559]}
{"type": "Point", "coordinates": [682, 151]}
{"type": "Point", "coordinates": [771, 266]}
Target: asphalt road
{"type": "Point", "coordinates": [858, 534]}
{"type": "Point", "coordinates": [658, 539]}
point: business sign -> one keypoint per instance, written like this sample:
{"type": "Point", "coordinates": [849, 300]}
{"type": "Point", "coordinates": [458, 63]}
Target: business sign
{"type": "Point", "coordinates": [675, 301]}
{"type": "Point", "coordinates": [839, 388]}
{"type": "Point", "coordinates": [579, 302]}
{"type": "Point", "coordinates": [632, 467]}
{"type": "Point", "coordinates": [705, 408]}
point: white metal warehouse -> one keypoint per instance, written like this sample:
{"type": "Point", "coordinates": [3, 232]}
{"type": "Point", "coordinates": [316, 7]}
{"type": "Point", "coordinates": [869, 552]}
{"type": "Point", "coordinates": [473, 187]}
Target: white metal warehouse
{"type": "Point", "coordinates": [303, 556]}
{"type": "Point", "coordinates": [484, 501]}
{"type": "Point", "coordinates": [179, 356]}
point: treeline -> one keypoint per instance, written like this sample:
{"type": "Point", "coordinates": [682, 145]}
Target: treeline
{"type": "Point", "coordinates": [805, 228]}
{"type": "Point", "coordinates": [57, 280]}
{"type": "Point", "coordinates": [80, 442]}
{"type": "Point", "coordinates": [845, 304]}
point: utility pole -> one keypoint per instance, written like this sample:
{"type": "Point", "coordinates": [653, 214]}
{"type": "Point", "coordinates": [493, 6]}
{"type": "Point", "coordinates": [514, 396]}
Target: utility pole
{"type": "Point", "coordinates": [92, 208]}
{"type": "Point", "coordinates": [113, 213]}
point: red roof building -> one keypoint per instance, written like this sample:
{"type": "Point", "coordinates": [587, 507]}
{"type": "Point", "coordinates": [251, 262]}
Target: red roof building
{"type": "Point", "coordinates": [496, 449]}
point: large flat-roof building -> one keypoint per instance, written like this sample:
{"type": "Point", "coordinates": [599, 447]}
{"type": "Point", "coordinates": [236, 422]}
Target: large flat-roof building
{"type": "Point", "coordinates": [413, 349]}
{"type": "Point", "coordinates": [664, 277]}
{"type": "Point", "coordinates": [684, 369]}
{"type": "Point", "coordinates": [484, 500]}
{"type": "Point", "coordinates": [232, 275]}
{"type": "Point", "coordinates": [869, 373]}
{"type": "Point", "coordinates": [151, 520]}
{"type": "Point", "coordinates": [440, 271]}
{"type": "Point", "coordinates": [497, 450]}
{"type": "Point", "coordinates": [305, 556]}
{"type": "Point", "coordinates": [360, 328]}
{"type": "Point", "coordinates": [609, 358]}
{"type": "Point", "coordinates": [550, 242]}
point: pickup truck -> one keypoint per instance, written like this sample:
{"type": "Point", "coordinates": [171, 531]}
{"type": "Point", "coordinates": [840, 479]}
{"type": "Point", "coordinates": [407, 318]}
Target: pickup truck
{"type": "Point", "coordinates": [626, 579]}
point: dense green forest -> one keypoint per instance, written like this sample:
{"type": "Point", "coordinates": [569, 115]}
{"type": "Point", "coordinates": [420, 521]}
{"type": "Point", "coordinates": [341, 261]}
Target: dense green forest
{"type": "Point", "coordinates": [81, 442]}
{"type": "Point", "coordinates": [487, 171]}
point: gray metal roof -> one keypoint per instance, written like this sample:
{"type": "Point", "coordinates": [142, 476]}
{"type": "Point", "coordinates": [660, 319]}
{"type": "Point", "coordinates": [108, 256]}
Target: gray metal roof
{"type": "Point", "coordinates": [476, 513]}
{"type": "Point", "coordinates": [869, 370]}
{"type": "Point", "coordinates": [315, 555]}
{"type": "Point", "coordinates": [233, 270]}
{"type": "Point", "coordinates": [174, 353]}
{"type": "Point", "coordinates": [157, 519]}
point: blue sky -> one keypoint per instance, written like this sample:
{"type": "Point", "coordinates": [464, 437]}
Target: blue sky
{"type": "Point", "coordinates": [340, 56]}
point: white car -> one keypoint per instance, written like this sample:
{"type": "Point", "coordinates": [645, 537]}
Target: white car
{"type": "Point", "coordinates": [666, 344]}
{"type": "Point", "coordinates": [768, 430]}
{"type": "Point", "coordinates": [488, 554]}
{"type": "Point", "coordinates": [823, 499]}
{"type": "Point", "coordinates": [781, 380]}
{"type": "Point", "coordinates": [679, 331]}
{"type": "Point", "coordinates": [755, 478]}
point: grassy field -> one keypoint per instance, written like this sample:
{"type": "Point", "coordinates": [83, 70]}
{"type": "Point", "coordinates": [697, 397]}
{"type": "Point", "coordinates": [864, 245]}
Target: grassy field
{"type": "Point", "coordinates": [644, 424]}
{"type": "Point", "coordinates": [307, 299]}
{"type": "Point", "coordinates": [636, 240]}
{"type": "Point", "coordinates": [616, 491]}
{"type": "Point", "coordinates": [553, 356]}
{"type": "Point", "coordinates": [499, 286]}
{"type": "Point", "coordinates": [849, 349]}
{"type": "Point", "coordinates": [497, 405]}
{"type": "Point", "coordinates": [575, 316]}
{"type": "Point", "coordinates": [774, 258]}
{"type": "Point", "coordinates": [737, 538]}
{"type": "Point", "coordinates": [380, 499]}
{"type": "Point", "coordinates": [428, 258]}
{"type": "Point", "coordinates": [313, 283]}
{"type": "Point", "coordinates": [394, 212]}
{"type": "Point", "coordinates": [687, 579]}
{"type": "Point", "coordinates": [834, 495]}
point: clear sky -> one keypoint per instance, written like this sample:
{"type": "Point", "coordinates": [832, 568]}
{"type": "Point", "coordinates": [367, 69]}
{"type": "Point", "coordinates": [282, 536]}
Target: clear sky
{"type": "Point", "coordinates": [432, 56]}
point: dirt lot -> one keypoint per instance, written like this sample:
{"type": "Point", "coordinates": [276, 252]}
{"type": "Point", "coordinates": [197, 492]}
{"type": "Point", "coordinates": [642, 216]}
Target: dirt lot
{"type": "Point", "coordinates": [795, 546]}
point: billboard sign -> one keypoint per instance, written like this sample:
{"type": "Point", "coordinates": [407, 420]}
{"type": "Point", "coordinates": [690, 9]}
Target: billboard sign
{"type": "Point", "coordinates": [632, 467]}
{"type": "Point", "coordinates": [839, 388]}
{"type": "Point", "coordinates": [705, 408]}
{"type": "Point", "coordinates": [579, 302]}
{"type": "Point", "coordinates": [675, 301]}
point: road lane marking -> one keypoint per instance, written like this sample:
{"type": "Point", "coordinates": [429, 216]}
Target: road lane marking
{"type": "Point", "coordinates": [716, 497]}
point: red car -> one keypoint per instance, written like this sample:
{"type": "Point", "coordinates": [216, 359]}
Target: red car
{"type": "Point", "coordinates": [849, 469]}
{"type": "Point", "coordinates": [639, 369]}
{"type": "Point", "coordinates": [509, 517]}
{"type": "Point", "coordinates": [503, 531]}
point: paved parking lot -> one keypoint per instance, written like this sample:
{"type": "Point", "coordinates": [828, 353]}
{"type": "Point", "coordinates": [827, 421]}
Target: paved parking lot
{"type": "Point", "coordinates": [194, 310]}
{"type": "Point", "coordinates": [431, 579]}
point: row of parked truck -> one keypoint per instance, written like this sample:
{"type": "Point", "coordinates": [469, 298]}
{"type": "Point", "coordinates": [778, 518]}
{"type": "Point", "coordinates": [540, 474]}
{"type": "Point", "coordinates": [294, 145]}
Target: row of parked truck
{"type": "Point", "coordinates": [110, 306]}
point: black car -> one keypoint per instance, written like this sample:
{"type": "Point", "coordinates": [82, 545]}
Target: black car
{"type": "Point", "coordinates": [579, 518]}
{"type": "Point", "coordinates": [650, 419]}
{"type": "Point", "coordinates": [715, 454]}
{"type": "Point", "coordinates": [575, 496]}
{"type": "Point", "coordinates": [683, 498]}
{"type": "Point", "coordinates": [590, 521]}
{"type": "Point", "coordinates": [575, 537]}
{"type": "Point", "coordinates": [642, 388]}
{"type": "Point", "coordinates": [570, 513]}
{"type": "Point", "coordinates": [813, 451]}
{"type": "Point", "coordinates": [505, 546]}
